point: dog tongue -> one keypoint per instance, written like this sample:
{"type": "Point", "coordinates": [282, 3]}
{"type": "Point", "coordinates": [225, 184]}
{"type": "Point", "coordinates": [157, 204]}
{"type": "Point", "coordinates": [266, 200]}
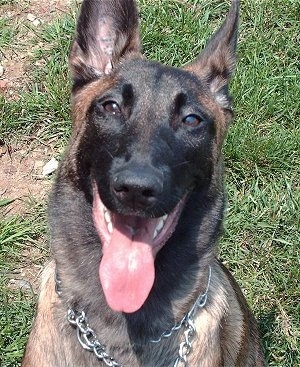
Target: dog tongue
{"type": "Point", "coordinates": [127, 267]}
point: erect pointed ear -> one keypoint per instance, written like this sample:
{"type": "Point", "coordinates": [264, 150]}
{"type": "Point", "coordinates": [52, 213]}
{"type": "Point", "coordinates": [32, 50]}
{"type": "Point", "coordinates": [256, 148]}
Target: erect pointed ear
{"type": "Point", "coordinates": [106, 31]}
{"type": "Point", "coordinates": [217, 61]}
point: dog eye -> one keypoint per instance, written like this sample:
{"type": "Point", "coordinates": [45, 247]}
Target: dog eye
{"type": "Point", "coordinates": [112, 107]}
{"type": "Point", "coordinates": [192, 120]}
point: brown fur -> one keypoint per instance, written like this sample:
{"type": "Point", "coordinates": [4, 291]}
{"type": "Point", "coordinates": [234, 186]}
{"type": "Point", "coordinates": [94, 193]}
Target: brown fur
{"type": "Point", "coordinates": [226, 319]}
{"type": "Point", "coordinates": [226, 332]}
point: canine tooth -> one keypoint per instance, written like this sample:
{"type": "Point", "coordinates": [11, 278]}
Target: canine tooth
{"type": "Point", "coordinates": [107, 217]}
{"type": "Point", "coordinates": [165, 217]}
{"type": "Point", "coordinates": [110, 227]}
{"type": "Point", "coordinates": [160, 225]}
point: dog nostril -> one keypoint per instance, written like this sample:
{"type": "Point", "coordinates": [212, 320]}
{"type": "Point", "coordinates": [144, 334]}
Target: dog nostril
{"type": "Point", "coordinates": [137, 188]}
{"type": "Point", "coordinates": [148, 193]}
{"type": "Point", "coordinates": [123, 189]}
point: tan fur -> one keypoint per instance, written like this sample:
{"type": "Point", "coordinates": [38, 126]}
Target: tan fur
{"type": "Point", "coordinates": [43, 331]}
{"type": "Point", "coordinates": [220, 329]}
{"type": "Point", "coordinates": [82, 100]}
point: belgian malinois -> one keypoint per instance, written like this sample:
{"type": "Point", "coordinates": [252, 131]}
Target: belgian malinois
{"type": "Point", "coordinates": [137, 208]}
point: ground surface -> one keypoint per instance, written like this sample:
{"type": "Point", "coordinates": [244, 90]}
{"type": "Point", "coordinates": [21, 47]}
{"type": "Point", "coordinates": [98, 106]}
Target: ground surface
{"type": "Point", "coordinates": [22, 162]}
{"type": "Point", "coordinates": [22, 159]}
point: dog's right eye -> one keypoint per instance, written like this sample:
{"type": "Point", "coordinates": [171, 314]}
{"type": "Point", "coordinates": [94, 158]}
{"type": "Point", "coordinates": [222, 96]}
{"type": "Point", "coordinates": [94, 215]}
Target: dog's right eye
{"type": "Point", "coordinates": [192, 120]}
{"type": "Point", "coordinates": [111, 107]}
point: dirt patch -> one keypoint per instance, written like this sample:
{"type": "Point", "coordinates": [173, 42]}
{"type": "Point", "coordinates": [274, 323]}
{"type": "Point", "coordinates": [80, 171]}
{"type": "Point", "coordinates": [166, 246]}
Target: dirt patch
{"type": "Point", "coordinates": [24, 18]}
{"type": "Point", "coordinates": [26, 277]}
{"type": "Point", "coordinates": [21, 165]}
{"type": "Point", "coordinates": [21, 176]}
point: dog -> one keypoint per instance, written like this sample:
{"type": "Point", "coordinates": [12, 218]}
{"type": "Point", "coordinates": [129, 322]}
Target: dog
{"type": "Point", "coordinates": [137, 209]}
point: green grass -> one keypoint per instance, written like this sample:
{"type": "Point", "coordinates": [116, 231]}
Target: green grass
{"type": "Point", "coordinates": [7, 2]}
{"type": "Point", "coordinates": [261, 236]}
{"type": "Point", "coordinates": [7, 33]}
{"type": "Point", "coordinates": [43, 111]}
{"type": "Point", "coordinates": [22, 244]}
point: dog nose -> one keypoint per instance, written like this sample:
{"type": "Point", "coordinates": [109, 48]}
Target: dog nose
{"type": "Point", "coordinates": [138, 189]}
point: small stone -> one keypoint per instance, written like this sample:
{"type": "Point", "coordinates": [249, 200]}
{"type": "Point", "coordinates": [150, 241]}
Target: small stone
{"type": "Point", "coordinates": [3, 150]}
{"type": "Point", "coordinates": [50, 167]}
{"type": "Point", "coordinates": [23, 284]}
{"type": "Point", "coordinates": [31, 17]}
{"type": "Point", "coordinates": [1, 70]}
{"type": "Point", "coordinates": [36, 22]}
{"type": "Point", "coordinates": [3, 84]}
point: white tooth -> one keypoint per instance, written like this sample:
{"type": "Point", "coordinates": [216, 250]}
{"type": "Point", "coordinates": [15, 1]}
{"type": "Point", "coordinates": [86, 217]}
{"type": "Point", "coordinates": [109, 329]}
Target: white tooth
{"type": "Point", "coordinates": [107, 217]}
{"type": "Point", "coordinates": [160, 225]}
{"type": "Point", "coordinates": [110, 227]}
{"type": "Point", "coordinates": [165, 217]}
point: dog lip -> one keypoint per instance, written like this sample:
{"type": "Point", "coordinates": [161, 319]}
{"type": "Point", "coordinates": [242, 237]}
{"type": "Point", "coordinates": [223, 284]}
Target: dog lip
{"type": "Point", "coordinates": [108, 217]}
{"type": "Point", "coordinates": [169, 224]}
{"type": "Point", "coordinates": [130, 244]}
{"type": "Point", "coordinates": [133, 224]}
{"type": "Point", "coordinates": [162, 227]}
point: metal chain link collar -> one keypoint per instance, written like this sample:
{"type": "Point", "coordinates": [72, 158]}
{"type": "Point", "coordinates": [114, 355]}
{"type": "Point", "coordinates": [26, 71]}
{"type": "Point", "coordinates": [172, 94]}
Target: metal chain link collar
{"type": "Point", "coordinates": [89, 341]}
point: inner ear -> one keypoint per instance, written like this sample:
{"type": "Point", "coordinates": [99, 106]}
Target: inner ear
{"type": "Point", "coordinates": [107, 41]}
{"type": "Point", "coordinates": [107, 30]}
{"type": "Point", "coordinates": [216, 62]}
{"type": "Point", "coordinates": [107, 35]}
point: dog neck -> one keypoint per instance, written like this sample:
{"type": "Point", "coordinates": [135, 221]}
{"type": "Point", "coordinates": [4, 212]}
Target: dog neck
{"type": "Point", "coordinates": [89, 341]}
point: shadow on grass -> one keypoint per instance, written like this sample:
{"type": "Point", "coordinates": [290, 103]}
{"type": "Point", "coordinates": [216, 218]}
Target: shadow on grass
{"type": "Point", "coordinates": [268, 327]}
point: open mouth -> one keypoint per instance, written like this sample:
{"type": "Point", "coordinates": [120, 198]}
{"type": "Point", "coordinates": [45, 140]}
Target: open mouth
{"type": "Point", "coordinates": [130, 244]}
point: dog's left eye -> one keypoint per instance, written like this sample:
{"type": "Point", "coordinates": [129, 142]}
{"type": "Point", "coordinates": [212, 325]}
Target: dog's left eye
{"type": "Point", "coordinates": [192, 120]}
{"type": "Point", "coordinates": [111, 107]}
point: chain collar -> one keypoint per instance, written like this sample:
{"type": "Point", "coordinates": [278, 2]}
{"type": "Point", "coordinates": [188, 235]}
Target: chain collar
{"type": "Point", "coordinates": [89, 341]}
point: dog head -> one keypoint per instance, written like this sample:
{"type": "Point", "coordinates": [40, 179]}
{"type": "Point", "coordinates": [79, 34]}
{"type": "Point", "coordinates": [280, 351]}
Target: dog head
{"type": "Point", "coordinates": [147, 138]}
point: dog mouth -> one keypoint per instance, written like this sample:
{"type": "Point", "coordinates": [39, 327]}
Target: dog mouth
{"type": "Point", "coordinates": [129, 245]}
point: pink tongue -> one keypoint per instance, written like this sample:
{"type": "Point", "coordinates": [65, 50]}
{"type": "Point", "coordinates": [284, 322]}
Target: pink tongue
{"type": "Point", "coordinates": [127, 267]}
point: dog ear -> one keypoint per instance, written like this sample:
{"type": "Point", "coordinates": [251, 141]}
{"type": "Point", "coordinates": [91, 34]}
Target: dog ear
{"type": "Point", "coordinates": [217, 61]}
{"type": "Point", "coordinates": [106, 31]}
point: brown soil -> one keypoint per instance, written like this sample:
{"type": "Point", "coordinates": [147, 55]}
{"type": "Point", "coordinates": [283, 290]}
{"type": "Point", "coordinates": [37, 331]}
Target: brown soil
{"type": "Point", "coordinates": [14, 59]}
{"type": "Point", "coordinates": [21, 176]}
{"type": "Point", "coordinates": [21, 164]}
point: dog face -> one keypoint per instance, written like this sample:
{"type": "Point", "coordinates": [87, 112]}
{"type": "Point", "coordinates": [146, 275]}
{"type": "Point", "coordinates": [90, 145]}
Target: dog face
{"type": "Point", "coordinates": [155, 139]}
{"type": "Point", "coordinates": [147, 140]}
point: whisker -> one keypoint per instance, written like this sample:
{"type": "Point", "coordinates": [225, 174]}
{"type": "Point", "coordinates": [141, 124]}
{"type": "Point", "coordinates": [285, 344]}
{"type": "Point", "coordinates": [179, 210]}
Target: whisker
{"type": "Point", "coordinates": [109, 153]}
{"type": "Point", "coordinates": [181, 164]}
